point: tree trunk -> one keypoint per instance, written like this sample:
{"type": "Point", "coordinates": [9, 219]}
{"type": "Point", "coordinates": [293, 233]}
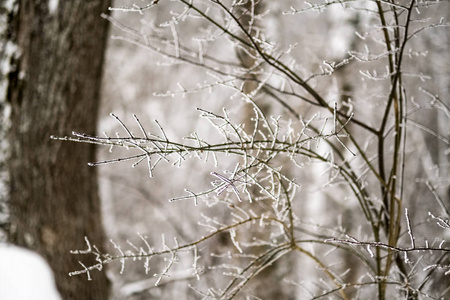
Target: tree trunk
{"type": "Point", "coordinates": [52, 88]}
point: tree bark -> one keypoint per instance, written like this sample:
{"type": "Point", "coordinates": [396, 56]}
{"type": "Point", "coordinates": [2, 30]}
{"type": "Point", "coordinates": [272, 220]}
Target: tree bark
{"type": "Point", "coordinates": [53, 89]}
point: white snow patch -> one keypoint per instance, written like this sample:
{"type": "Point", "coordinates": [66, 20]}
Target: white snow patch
{"type": "Point", "coordinates": [25, 275]}
{"type": "Point", "coordinates": [9, 5]}
{"type": "Point", "coordinates": [52, 6]}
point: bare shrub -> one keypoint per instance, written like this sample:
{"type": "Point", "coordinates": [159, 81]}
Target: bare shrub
{"type": "Point", "coordinates": [328, 160]}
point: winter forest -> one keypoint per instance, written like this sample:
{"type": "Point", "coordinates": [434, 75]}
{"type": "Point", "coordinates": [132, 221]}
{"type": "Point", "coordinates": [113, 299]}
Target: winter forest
{"type": "Point", "coordinates": [229, 149]}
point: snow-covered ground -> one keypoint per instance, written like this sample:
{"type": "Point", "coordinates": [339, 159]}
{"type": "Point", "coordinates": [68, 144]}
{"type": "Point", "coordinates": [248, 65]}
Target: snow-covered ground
{"type": "Point", "coordinates": [25, 275]}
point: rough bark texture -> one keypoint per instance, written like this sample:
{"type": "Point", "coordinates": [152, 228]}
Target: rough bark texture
{"type": "Point", "coordinates": [54, 89]}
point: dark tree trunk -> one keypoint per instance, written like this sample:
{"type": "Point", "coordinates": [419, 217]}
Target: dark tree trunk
{"type": "Point", "coordinates": [53, 88]}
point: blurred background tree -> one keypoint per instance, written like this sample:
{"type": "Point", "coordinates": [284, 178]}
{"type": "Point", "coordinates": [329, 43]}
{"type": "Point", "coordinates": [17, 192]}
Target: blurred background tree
{"type": "Point", "coordinates": [52, 58]}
